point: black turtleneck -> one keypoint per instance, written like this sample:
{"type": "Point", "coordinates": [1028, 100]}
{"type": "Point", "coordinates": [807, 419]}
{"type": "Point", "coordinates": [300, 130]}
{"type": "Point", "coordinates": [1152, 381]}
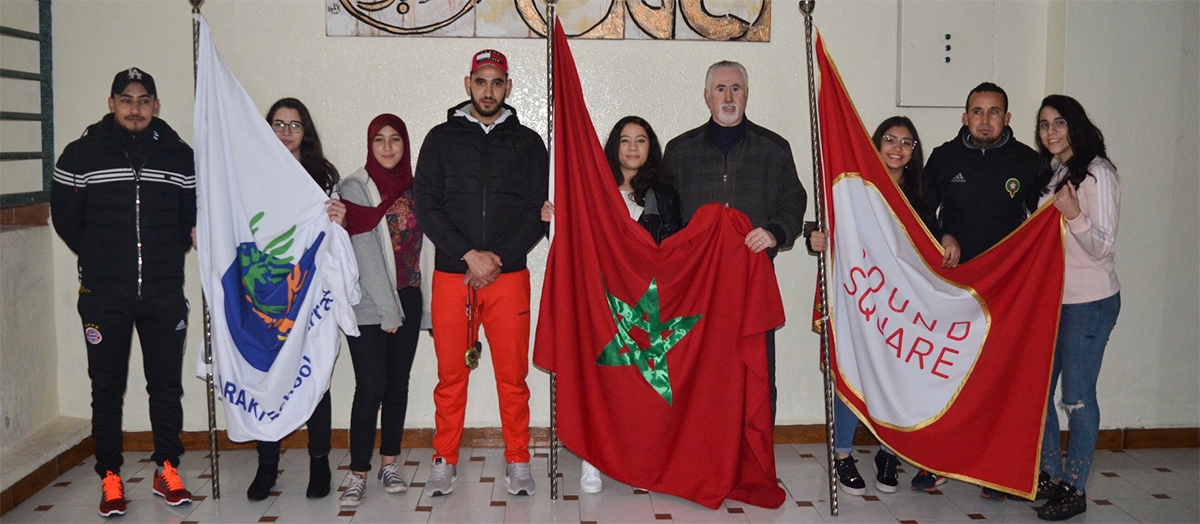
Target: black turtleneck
{"type": "Point", "coordinates": [726, 137]}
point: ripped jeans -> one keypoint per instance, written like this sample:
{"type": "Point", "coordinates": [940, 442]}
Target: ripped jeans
{"type": "Point", "coordinates": [1083, 331]}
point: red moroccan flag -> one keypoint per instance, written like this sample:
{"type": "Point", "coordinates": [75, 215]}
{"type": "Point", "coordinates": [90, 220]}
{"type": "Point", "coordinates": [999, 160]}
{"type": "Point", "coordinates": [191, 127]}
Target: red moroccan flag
{"type": "Point", "coordinates": [660, 351]}
{"type": "Point", "coordinates": [949, 367]}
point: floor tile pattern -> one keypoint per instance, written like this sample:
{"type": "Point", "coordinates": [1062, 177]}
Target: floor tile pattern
{"type": "Point", "coordinates": [1140, 485]}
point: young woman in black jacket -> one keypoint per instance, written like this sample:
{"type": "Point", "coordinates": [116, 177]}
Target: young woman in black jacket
{"type": "Point", "coordinates": [635, 157]}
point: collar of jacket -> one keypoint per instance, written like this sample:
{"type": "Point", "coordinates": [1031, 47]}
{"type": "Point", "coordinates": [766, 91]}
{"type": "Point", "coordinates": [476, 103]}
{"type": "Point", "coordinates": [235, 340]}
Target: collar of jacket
{"type": "Point", "coordinates": [108, 131]}
{"type": "Point", "coordinates": [965, 137]}
{"type": "Point", "coordinates": [705, 130]}
{"type": "Point", "coordinates": [451, 116]}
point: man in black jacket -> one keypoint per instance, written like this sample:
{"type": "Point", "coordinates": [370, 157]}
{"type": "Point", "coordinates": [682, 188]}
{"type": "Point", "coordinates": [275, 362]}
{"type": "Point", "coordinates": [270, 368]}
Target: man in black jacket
{"type": "Point", "coordinates": [479, 187]}
{"type": "Point", "coordinates": [124, 200]}
{"type": "Point", "coordinates": [979, 178]}
{"type": "Point", "coordinates": [737, 163]}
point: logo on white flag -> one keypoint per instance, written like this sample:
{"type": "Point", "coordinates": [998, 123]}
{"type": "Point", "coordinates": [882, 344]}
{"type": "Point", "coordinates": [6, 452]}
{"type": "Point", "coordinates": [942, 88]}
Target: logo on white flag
{"type": "Point", "coordinates": [916, 335]}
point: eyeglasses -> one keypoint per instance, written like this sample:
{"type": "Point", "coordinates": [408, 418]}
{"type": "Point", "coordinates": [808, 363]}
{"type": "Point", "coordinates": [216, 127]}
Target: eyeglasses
{"type": "Point", "coordinates": [1058, 124]}
{"type": "Point", "coordinates": [906, 143]}
{"type": "Point", "coordinates": [280, 125]}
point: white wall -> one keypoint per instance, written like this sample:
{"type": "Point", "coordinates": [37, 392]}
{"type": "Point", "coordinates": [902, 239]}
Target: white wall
{"type": "Point", "coordinates": [28, 356]}
{"type": "Point", "coordinates": [1133, 65]}
{"type": "Point", "coordinates": [279, 49]}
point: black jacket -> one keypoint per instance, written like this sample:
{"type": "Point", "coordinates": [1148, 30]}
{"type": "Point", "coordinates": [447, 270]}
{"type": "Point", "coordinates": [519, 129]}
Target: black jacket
{"type": "Point", "coordinates": [660, 216]}
{"type": "Point", "coordinates": [126, 205]}
{"type": "Point", "coordinates": [484, 191]}
{"type": "Point", "coordinates": [758, 177]}
{"type": "Point", "coordinates": [981, 192]}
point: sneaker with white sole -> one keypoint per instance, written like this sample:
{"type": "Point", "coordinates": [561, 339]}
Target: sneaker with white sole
{"type": "Point", "coordinates": [885, 472]}
{"type": "Point", "coordinates": [441, 479]}
{"type": "Point", "coordinates": [169, 486]}
{"type": "Point", "coordinates": [389, 476]}
{"type": "Point", "coordinates": [848, 477]}
{"type": "Point", "coordinates": [355, 487]}
{"type": "Point", "coordinates": [520, 481]}
{"type": "Point", "coordinates": [589, 479]}
{"type": "Point", "coordinates": [112, 500]}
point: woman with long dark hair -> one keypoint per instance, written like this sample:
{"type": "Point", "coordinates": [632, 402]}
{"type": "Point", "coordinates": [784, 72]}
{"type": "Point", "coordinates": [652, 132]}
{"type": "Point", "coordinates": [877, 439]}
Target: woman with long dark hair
{"type": "Point", "coordinates": [294, 126]}
{"type": "Point", "coordinates": [1077, 176]}
{"type": "Point", "coordinates": [635, 157]}
{"type": "Point", "coordinates": [382, 223]}
{"type": "Point", "coordinates": [899, 145]}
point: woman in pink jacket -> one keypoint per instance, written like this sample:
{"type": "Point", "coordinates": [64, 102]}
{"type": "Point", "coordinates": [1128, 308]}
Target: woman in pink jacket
{"type": "Point", "coordinates": [1077, 175]}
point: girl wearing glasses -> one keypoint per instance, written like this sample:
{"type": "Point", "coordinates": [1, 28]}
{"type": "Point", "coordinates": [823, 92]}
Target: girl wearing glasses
{"type": "Point", "coordinates": [1074, 172]}
{"type": "Point", "coordinates": [294, 127]}
{"type": "Point", "coordinates": [387, 240]}
{"type": "Point", "coordinates": [898, 143]}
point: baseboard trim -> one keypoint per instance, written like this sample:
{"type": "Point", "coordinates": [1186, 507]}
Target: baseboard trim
{"type": "Point", "coordinates": [41, 477]}
{"type": "Point", "coordinates": [1132, 438]}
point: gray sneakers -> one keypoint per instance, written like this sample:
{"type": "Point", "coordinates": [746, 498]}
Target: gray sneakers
{"type": "Point", "coordinates": [442, 478]}
{"type": "Point", "coordinates": [520, 482]}
{"type": "Point", "coordinates": [389, 476]}
{"type": "Point", "coordinates": [354, 490]}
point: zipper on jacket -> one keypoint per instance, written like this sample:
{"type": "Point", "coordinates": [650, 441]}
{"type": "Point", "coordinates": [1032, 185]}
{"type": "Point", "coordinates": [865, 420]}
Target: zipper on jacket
{"type": "Point", "coordinates": [725, 182]}
{"type": "Point", "coordinates": [484, 190]}
{"type": "Point", "coordinates": [137, 216]}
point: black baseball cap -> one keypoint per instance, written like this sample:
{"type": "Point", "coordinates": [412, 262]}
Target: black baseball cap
{"type": "Point", "coordinates": [133, 74]}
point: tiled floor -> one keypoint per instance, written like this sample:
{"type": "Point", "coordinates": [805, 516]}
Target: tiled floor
{"type": "Point", "coordinates": [1150, 485]}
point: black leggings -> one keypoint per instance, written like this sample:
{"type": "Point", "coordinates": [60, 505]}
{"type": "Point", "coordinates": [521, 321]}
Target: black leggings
{"type": "Point", "coordinates": [320, 426]}
{"type": "Point", "coordinates": [382, 363]}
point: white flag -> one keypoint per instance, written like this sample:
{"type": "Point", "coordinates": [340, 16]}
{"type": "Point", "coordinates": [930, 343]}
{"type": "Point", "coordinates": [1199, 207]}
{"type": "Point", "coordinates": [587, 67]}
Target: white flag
{"type": "Point", "coordinates": [279, 277]}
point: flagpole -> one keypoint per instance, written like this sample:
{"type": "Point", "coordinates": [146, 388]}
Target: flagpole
{"type": "Point", "coordinates": [551, 18]}
{"type": "Point", "coordinates": [806, 7]}
{"type": "Point", "coordinates": [214, 462]}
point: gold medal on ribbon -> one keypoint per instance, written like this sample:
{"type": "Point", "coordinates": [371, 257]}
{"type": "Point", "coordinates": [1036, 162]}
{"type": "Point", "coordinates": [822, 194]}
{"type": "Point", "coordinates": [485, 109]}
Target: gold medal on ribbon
{"type": "Point", "coordinates": [472, 356]}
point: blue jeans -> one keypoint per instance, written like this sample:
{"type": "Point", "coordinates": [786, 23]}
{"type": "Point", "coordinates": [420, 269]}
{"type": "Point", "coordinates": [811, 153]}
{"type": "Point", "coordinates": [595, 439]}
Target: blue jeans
{"type": "Point", "coordinates": [1083, 331]}
{"type": "Point", "coordinates": [844, 426]}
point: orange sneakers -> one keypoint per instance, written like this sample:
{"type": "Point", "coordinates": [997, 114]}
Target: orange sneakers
{"type": "Point", "coordinates": [169, 486]}
{"type": "Point", "coordinates": [112, 500]}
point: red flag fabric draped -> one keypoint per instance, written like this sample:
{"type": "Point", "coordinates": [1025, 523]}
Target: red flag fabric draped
{"type": "Point", "coordinates": [659, 350]}
{"type": "Point", "coordinates": [948, 367]}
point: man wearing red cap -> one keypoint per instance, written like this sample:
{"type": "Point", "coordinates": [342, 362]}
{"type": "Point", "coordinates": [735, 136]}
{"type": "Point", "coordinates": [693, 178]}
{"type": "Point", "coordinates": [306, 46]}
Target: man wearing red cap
{"type": "Point", "coordinates": [124, 200]}
{"type": "Point", "coordinates": [480, 182]}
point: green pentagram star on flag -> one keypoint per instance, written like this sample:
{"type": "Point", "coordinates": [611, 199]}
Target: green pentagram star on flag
{"type": "Point", "coordinates": [645, 315]}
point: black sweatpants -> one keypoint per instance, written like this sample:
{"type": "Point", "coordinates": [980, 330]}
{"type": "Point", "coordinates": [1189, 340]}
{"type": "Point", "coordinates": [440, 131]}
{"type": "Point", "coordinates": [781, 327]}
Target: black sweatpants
{"type": "Point", "coordinates": [108, 325]}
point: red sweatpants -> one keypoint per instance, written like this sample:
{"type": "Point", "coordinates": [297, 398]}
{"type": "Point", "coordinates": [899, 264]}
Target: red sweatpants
{"type": "Point", "coordinates": [502, 308]}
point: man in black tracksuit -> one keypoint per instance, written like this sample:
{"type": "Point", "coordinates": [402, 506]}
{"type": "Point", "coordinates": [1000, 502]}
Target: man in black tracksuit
{"type": "Point", "coordinates": [124, 200]}
{"type": "Point", "coordinates": [979, 178]}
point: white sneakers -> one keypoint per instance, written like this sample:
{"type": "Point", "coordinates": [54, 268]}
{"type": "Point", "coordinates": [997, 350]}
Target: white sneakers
{"type": "Point", "coordinates": [589, 479]}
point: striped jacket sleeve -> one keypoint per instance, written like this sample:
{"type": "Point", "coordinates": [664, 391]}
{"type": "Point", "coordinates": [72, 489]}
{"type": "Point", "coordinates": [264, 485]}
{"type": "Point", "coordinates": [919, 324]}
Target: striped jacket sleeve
{"type": "Point", "coordinates": [1100, 201]}
{"type": "Point", "coordinates": [68, 197]}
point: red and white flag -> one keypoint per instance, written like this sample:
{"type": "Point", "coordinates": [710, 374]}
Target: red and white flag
{"type": "Point", "coordinates": [948, 367]}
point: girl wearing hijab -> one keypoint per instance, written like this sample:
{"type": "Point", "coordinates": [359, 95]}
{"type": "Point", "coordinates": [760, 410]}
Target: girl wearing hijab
{"type": "Point", "coordinates": [382, 223]}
